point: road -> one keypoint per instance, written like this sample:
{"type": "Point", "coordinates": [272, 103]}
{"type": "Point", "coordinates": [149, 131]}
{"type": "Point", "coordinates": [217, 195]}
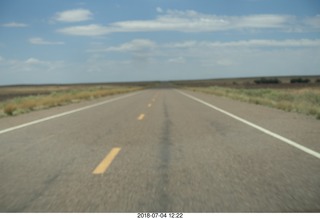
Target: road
{"type": "Point", "coordinates": [159, 150]}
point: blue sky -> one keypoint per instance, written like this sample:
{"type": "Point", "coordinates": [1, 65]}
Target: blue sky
{"type": "Point", "coordinates": [58, 41]}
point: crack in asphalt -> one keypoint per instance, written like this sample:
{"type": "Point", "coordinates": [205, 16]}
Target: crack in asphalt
{"type": "Point", "coordinates": [162, 194]}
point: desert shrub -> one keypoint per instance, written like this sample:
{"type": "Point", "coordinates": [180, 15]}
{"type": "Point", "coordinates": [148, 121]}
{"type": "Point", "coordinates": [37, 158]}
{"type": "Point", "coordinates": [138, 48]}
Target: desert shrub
{"type": "Point", "coordinates": [299, 80]}
{"type": "Point", "coordinates": [306, 100]}
{"type": "Point", "coordinates": [267, 81]}
{"type": "Point", "coordinates": [9, 109]}
{"type": "Point", "coordinates": [29, 104]}
{"type": "Point", "coordinates": [20, 105]}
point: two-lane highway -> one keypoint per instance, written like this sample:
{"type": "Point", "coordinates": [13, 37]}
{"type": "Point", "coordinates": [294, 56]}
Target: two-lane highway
{"type": "Point", "coordinates": [159, 150]}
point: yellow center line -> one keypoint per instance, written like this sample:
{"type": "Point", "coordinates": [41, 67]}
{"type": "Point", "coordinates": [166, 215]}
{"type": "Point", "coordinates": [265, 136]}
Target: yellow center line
{"type": "Point", "coordinates": [105, 163]}
{"type": "Point", "coordinates": [140, 117]}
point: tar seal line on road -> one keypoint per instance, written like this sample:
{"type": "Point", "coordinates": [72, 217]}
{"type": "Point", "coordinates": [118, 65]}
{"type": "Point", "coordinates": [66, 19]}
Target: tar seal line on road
{"type": "Point", "coordinates": [279, 137]}
{"type": "Point", "coordinates": [163, 198]}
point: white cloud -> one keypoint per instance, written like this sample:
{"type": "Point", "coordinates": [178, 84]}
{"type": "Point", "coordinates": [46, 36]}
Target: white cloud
{"type": "Point", "coordinates": [206, 53]}
{"type": "Point", "coordinates": [262, 21]}
{"type": "Point", "coordinates": [188, 21]}
{"type": "Point", "coordinates": [14, 24]}
{"type": "Point", "coordinates": [34, 61]}
{"type": "Point", "coordinates": [140, 50]}
{"type": "Point", "coordinates": [159, 10]}
{"type": "Point", "coordinates": [85, 30]}
{"type": "Point", "coordinates": [136, 45]}
{"type": "Point", "coordinates": [184, 21]}
{"type": "Point", "coordinates": [313, 22]}
{"type": "Point", "coordinates": [29, 63]}
{"type": "Point", "coordinates": [40, 41]}
{"type": "Point", "coordinates": [144, 59]}
{"type": "Point", "coordinates": [32, 71]}
{"type": "Point", "coordinates": [75, 15]}
{"type": "Point", "coordinates": [247, 43]}
{"type": "Point", "coordinates": [209, 59]}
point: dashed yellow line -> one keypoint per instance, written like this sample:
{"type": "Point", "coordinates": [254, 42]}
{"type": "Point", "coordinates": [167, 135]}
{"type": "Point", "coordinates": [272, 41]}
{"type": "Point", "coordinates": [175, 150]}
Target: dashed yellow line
{"type": "Point", "coordinates": [105, 163]}
{"type": "Point", "coordinates": [140, 117]}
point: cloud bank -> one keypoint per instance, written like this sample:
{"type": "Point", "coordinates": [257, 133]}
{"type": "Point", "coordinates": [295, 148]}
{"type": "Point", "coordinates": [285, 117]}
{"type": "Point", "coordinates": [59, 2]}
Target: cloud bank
{"type": "Point", "coordinates": [191, 21]}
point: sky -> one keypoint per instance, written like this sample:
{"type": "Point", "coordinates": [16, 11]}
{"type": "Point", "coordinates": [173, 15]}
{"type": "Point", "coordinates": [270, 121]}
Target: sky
{"type": "Point", "coordinates": [97, 41]}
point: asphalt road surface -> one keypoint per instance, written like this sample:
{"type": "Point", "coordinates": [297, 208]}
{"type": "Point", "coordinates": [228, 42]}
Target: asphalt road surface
{"type": "Point", "coordinates": [160, 150]}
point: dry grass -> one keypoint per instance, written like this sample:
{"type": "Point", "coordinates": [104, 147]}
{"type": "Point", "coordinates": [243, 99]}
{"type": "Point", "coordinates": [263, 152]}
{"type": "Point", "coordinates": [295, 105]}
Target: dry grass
{"type": "Point", "coordinates": [62, 96]}
{"type": "Point", "coordinates": [9, 108]}
{"type": "Point", "coordinates": [301, 100]}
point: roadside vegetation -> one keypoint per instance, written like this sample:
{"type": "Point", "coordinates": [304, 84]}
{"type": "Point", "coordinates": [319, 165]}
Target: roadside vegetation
{"type": "Point", "coordinates": [302, 100]}
{"type": "Point", "coordinates": [25, 100]}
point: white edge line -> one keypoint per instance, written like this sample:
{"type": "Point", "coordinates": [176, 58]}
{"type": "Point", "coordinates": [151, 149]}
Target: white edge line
{"type": "Point", "coordinates": [288, 141]}
{"type": "Point", "coordinates": [64, 114]}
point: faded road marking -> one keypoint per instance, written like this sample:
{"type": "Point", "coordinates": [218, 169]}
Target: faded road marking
{"type": "Point", "coordinates": [149, 105]}
{"type": "Point", "coordinates": [105, 163]}
{"type": "Point", "coordinates": [279, 137]}
{"type": "Point", "coordinates": [65, 113]}
{"type": "Point", "coordinates": [140, 117]}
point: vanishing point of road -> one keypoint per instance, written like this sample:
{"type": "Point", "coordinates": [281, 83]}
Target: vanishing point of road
{"type": "Point", "coordinates": [160, 150]}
